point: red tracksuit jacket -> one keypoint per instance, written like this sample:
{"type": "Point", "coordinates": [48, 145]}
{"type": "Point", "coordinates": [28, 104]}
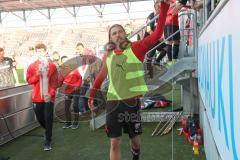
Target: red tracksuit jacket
{"type": "Point", "coordinates": [72, 80]}
{"type": "Point", "coordinates": [34, 79]}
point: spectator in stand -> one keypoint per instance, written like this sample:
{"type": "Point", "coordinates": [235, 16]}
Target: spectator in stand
{"type": "Point", "coordinates": [171, 27]}
{"type": "Point", "coordinates": [197, 4]}
{"type": "Point", "coordinates": [9, 76]}
{"type": "Point", "coordinates": [151, 27]}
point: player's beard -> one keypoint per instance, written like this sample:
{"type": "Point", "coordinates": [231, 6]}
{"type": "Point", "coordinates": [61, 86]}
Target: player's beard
{"type": "Point", "coordinates": [124, 44]}
{"type": "Point", "coordinates": [110, 46]}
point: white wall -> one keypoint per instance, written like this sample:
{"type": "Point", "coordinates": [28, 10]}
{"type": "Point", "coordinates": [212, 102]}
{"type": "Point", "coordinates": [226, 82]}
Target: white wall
{"type": "Point", "coordinates": [219, 79]}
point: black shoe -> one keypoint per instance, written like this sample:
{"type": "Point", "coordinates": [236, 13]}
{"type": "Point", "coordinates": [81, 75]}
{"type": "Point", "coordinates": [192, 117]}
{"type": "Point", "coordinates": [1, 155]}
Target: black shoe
{"type": "Point", "coordinates": [47, 146]}
{"type": "Point", "coordinates": [4, 158]}
{"type": "Point", "coordinates": [75, 125]}
{"type": "Point", "coordinates": [135, 154]}
{"type": "Point", "coordinates": [67, 125]}
{"type": "Point", "coordinates": [135, 157]}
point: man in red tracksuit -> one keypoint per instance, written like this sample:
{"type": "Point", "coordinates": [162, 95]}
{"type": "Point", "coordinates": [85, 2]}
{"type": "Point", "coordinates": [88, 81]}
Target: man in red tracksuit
{"type": "Point", "coordinates": [43, 75]}
{"type": "Point", "coordinates": [72, 84]}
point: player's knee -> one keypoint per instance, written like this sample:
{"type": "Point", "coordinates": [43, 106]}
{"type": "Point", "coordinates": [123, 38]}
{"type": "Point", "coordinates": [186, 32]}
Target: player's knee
{"type": "Point", "coordinates": [115, 144]}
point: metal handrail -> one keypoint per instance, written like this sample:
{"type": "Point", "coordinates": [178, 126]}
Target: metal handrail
{"type": "Point", "coordinates": [141, 28]}
{"type": "Point", "coordinates": [182, 14]}
{"type": "Point", "coordinates": [167, 39]}
{"type": "Point", "coordinates": [15, 113]}
{"type": "Point", "coordinates": [155, 47]}
{"type": "Point", "coordinates": [15, 94]}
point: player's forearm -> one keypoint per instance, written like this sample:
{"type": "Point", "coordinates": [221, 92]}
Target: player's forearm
{"type": "Point", "coordinates": [140, 48]}
{"type": "Point", "coordinates": [99, 80]}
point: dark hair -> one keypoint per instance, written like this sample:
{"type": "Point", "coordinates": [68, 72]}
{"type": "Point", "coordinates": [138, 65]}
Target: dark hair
{"type": "Point", "coordinates": [41, 46]}
{"type": "Point", "coordinates": [63, 57]}
{"type": "Point", "coordinates": [115, 25]}
{"type": "Point", "coordinates": [1, 49]}
{"type": "Point", "coordinates": [110, 46]}
{"type": "Point", "coordinates": [79, 44]}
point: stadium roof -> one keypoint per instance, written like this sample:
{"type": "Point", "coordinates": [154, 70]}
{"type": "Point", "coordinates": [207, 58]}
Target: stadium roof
{"type": "Point", "coordinates": [14, 5]}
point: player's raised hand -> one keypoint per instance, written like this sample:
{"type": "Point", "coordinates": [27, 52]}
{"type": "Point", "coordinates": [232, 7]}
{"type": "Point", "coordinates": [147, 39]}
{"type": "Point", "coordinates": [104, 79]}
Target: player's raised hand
{"type": "Point", "coordinates": [177, 7]}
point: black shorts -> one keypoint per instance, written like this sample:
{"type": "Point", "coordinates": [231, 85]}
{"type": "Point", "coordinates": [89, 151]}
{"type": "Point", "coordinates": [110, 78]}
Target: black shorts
{"type": "Point", "coordinates": [123, 116]}
{"type": "Point", "coordinates": [169, 30]}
